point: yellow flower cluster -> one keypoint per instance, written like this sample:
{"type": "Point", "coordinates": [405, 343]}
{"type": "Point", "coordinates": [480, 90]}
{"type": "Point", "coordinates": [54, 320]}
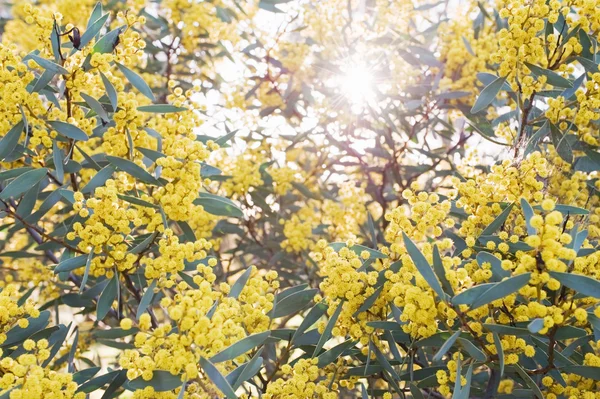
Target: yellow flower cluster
{"type": "Point", "coordinates": [207, 322]}
{"type": "Point", "coordinates": [108, 223]}
{"type": "Point", "coordinates": [171, 260]}
{"type": "Point", "coordinates": [24, 376]}
{"type": "Point", "coordinates": [303, 380]}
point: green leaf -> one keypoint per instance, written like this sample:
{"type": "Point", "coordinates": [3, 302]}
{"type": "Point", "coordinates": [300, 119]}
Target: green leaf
{"type": "Point", "coordinates": [475, 352]}
{"type": "Point", "coordinates": [108, 42]}
{"type": "Point", "coordinates": [250, 370]}
{"type": "Point", "coordinates": [530, 382]}
{"type": "Point", "coordinates": [583, 371]}
{"type": "Point", "coordinates": [161, 108]}
{"type": "Point", "coordinates": [58, 161]}
{"type": "Point", "coordinates": [328, 329]}
{"type": "Point", "coordinates": [23, 183]}
{"type": "Point", "coordinates": [567, 209]}
{"type": "Point", "coordinates": [446, 347]}
{"type": "Point", "coordinates": [311, 318]}
{"type": "Point", "coordinates": [109, 294]}
{"type": "Point", "coordinates": [110, 91]}
{"type": "Point", "coordinates": [488, 94]}
{"type": "Point", "coordinates": [536, 325]}
{"type": "Point", "coordinates": [71, 264]}
{"type": "Point", "coordinates": [501, 289]}
{"type": "Point", "coordinates": [132, 169]}
{"type": "Point", "coordinates": [17, 334]}
{"type": "Point", "coordinates": [55, 42]}
{"type": "Point", "coordinates": [500, 353]}
{"type": "Point", "coordinates": [161, 381]}
{"type": "Point", "coordinates": [552, 77]}
{"type": "Point", "coordinates": [438, 268]}
{"type": "Point", "coordinates": [468, 296]}
{"type": "Point", "coordinates": [561, 143]}
{"type": "Point", "coordinates": [92, 30]}
{"type": "Point", "coordinates": [498, 222]}
{"type": "Point", "coordinates": [528, 212]}
{"type": "Point", "coordinates": [240, 347]}
{"type": "Point", "coordinates": [146, 299]}
{"type": "Point", "coordinates": [582, 284]}
{"type": "Point", "coordinates": [240, 283]}
{"type": "Point", "coordinates": [217, 378]}
{"type": "Point", "coordinates": [368, 302]}
{"type": "Point", "coordinates": [98, 382]}
{"type": "Point", "coordinates": [86, 273]}
{"type": "Point", "coordinates": [423, 266]}
{"type": "Point", "coordinates": [68, 130]}
{"type": "Point", "coordinates": [95, 106]}
{"type": "Point", "coordinates": [10, 140]}
{"type": "Point", "coordinates": [49, 65]}
{"type": "Point", "coordinates": [466, 390]}
{"type": "Point", "coordinates": [220, 206]}
{"type": "Point", "coordinates": [136, 81]}
{"type": "Point", "coordinates": [150, 154]}
{"type": "Point", "coordinates": [293, 303]}
{"type": "Point", "coordinates": [98, 179]}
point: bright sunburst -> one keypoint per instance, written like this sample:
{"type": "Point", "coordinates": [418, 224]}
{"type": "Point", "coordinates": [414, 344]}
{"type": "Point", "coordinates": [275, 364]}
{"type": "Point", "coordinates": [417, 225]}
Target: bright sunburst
{"type": "Point", "coordinates": [356, 84]}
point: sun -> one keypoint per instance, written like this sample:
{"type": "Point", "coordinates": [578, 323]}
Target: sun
{"type": "Point", "coordinates": [357, 85]}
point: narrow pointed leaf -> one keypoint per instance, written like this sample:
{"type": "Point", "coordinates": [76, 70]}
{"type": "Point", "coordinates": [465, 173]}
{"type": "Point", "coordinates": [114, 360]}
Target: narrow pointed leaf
{"type": "Point", "coordinates": [136, 81]}
{"type": "Point", "coordinates": [488, 94]}
{"type": "Point", "coordinates": [501, 289]}
{"type": "Point", "coordinates": [68, 130]}
{"type": "Point", "coordinates": [328, 329]}
{"type": "Point", "coordinates": [582, 284]}
{"type": "Point", "coordinates": [10, 140]}
{"type": "Point", "coordinates": [240, 347]}
{"type": "Point", "coordinates": [23, 183]}
{"type": "Point", "coordinates": [217, 378]}
{"type": "Point", "coordinates": [423, 266]}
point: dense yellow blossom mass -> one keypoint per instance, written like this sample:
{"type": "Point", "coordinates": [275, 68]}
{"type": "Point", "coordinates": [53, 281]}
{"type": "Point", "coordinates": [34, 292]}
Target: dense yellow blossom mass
{"type": "Point", "coordinates": [295, 199]}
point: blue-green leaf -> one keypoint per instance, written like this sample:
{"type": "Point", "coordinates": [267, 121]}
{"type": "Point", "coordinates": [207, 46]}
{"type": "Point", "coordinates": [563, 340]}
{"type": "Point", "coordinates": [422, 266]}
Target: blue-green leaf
{"type": "Point", "coordinates": [10, 140]}
{"type": "Point", "coordinates": [68, 130]}
{"type": "Point", "coordinates": [446, 347]}
{"type": "Point", "coordinates": [48, 65]}
{"type": "Point", "coordinates": [110, 91]}
{"type": "Point", "coordinates": [498, 222]}
{"type": "Point", "coordinates": [98, 179]}
{"type": "Point", "coordinates": [582, 284]}
{"type": "Point", "coordinates": [528, 212]}
{"type": "Point", "coordinates": [95, 106]}
{"type": "Point", "coordinates": [146, 299]}
{"type": "Point", "coordinates": [488, 94]}
{"type": "Point", "coordinates": [423, 267]}
{"type": "Point", "coordinates": [161, 108]}
{"type": "Point", "coordinates": [217, 205]}
{"type": "Point", "coordinates": [136, 81]}
{"type": "Point", "coordinates": [70, 264]}
{"type": "Point", "coordinates": [501, 289]}
{"type": "Point", "coordinates": [109, 294]}
{"type": "Point", "coordinates": [161, 381]}
{"type": "Point", "coordinates": [328, 329]}
{"type": "Point", "coordinates": [552, 77]}
{"type": "Point", "coordinates": [108, 42]}
{"type": "Point", "coordinates": [240, 347]}
{"type": "Point", "coordinates": [57, 157]}
{"type": "Point", "coordinates": [92, 30]}
{"type": "Point", "coordinates": [217, 378]}
{"type": "Point", "coordinates": [132, 169]}
{"type": "Point", "coordinates": [23, 183]}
